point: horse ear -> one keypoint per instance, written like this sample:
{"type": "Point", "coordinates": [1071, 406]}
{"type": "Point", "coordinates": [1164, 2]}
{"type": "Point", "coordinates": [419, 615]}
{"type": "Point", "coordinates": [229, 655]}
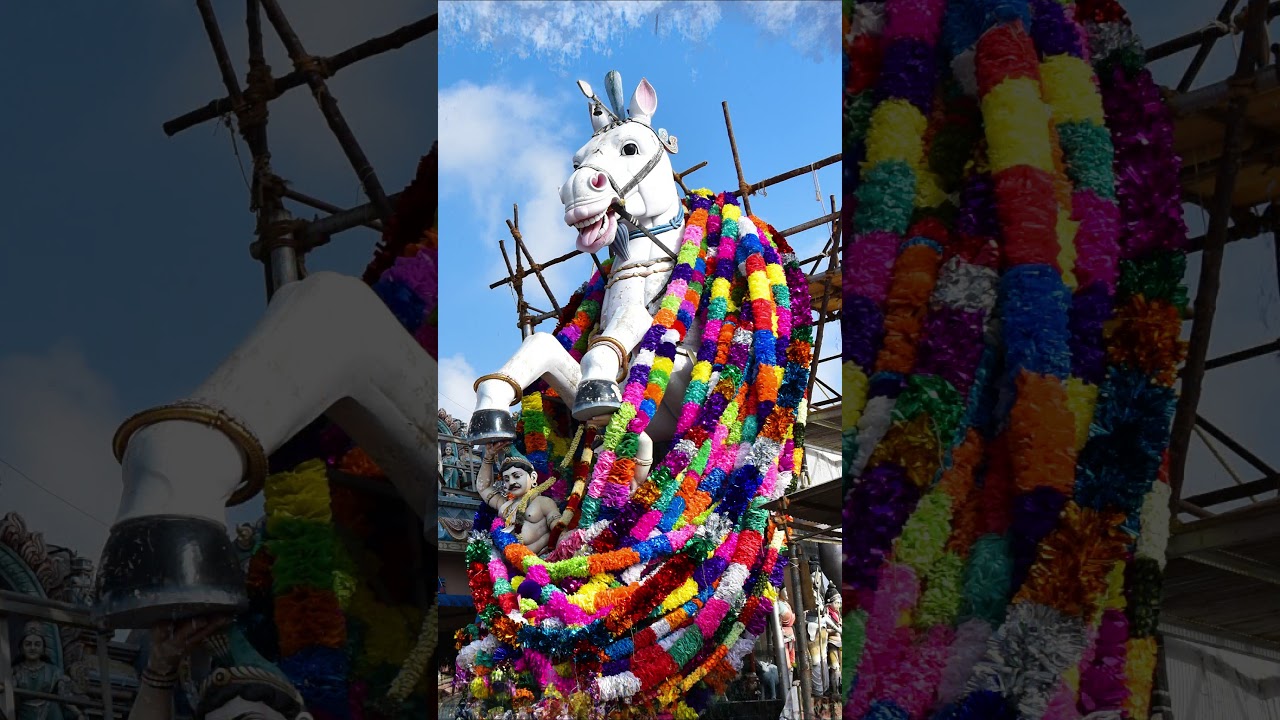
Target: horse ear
{"type": "Point", "coordinates": [599, 118]}
{"type": "Point", "coordinates": [644, 103]}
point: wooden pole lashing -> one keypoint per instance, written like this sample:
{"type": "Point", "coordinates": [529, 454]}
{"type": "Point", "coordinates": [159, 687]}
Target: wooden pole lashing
{"type": "Point", "coordinates": [514, 227]}
{"type": "Point", "coordinates": [376, 46]}
{"type": "Point", "coordinates": [313, 72]}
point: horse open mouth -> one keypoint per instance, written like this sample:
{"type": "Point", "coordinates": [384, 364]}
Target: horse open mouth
{"type": "Point", "coordinates": [596, 225]}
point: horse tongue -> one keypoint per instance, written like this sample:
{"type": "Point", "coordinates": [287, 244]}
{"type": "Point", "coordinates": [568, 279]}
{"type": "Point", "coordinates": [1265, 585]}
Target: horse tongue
{"type": "Point", "coordinates": [595, 236]}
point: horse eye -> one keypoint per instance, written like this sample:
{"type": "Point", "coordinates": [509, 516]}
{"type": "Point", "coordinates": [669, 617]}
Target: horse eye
{"type": "Point", "coordinates": [630, 149]}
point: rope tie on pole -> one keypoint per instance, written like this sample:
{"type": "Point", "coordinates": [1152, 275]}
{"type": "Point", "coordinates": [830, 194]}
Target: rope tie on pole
{"type": "Point", "coordinates": [311, 64]}
{"type": "Point", "coordinates": [253, 111]}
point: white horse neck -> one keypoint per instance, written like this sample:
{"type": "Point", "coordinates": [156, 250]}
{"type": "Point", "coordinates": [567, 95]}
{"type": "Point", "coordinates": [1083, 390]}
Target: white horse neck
{"type": "Point", "coordinates": [643, 276]}
{"type": "Point", "coordinates": [640, 249]}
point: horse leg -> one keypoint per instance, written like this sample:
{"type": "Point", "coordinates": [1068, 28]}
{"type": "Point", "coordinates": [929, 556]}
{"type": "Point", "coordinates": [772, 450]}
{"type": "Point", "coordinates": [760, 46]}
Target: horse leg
{"type": "Point", "coordinates": [644, 461]}
{"type": "Point", "coordinates": [598, 393]}
{"type": "Point", "coordinates": [540, 356]}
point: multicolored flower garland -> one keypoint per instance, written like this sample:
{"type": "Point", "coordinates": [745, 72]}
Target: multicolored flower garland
{"type": "Point", "coordinates": [579, 623]}
{"type": "Point", "coordinates": [311, 627]}
{"type": "Point", "coordinates": [1010, 589]}
{"type": "Point", "coordinates": [337, 641]}
{"type": "Point", "coordinates": [1135, 411]}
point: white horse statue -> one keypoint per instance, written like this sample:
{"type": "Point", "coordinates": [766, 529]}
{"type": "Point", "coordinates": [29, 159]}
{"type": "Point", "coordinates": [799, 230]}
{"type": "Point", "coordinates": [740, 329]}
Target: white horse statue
{"type": "Point", "coordinates": [622, 196]}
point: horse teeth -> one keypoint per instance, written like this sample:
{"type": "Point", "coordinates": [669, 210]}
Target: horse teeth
{"type": "Point", "coordinates": [589, 221]}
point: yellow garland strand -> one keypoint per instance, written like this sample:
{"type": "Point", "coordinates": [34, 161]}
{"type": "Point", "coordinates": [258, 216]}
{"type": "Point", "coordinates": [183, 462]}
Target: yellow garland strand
{"type": "Point", "coordinates": [415, 665]}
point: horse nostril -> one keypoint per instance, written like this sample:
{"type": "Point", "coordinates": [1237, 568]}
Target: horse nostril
{"type": "Point", "coordinates": [598, 181]}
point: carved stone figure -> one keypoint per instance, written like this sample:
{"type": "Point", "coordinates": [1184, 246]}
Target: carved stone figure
{"type": "Point", "coordinates": [36, 673]}
{"type": "Point", "coordinates": [244, 544]}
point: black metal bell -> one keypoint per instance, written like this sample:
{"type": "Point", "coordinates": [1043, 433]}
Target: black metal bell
{"type": "Point", "coordinates": [491, 426]}
{"type": "Point", "coordinates": [167, 567]}
{"type": "Point", "coordinates": [595, 398]}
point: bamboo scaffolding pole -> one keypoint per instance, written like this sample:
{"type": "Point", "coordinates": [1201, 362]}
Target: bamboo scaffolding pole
{"type": "Point", "coordinates": [314, 73]}
{"type": "Point", "coordinates": [255, 113]}
{"type": "Point", "coordinates": [833, 258]}
{"type": "Point", "coordinates": [1192, 509]}
{"type": "Point", "coordinates": [1211, 261]}
{"type": "Point", "coordinates": [252, 125]}
{"type": "Point", "coordinates": [513, 277]}
{"type": "Point", "coordinates": [339, 220]}
{"type": "Point", "coordinates": [317, 204]}
{"type": "Point", "coordinates": [1236, 492]}
{"type": "Point", "coordinates": [1246, 227]}
{"type": "Point", "coordinates": [1222, 460]}
{"type": "Point", "coordinates": [802, 604]}
{"type": "Point", "coordinates": [1206, 47]}
{"type": "Point", "coordinates": [830, 217]}
{"type": "Point", "coordinates": [680, 176]}
{"type": "Point", "coordinates": [744, 190]}
{"type": "Point", "coordinates": [1263, 141]}
{"type": "Point", "coordinates": [333, 63]}
{"type": "Point", "coordinates": [1243, 355]}
{"type": "Point", "coordinates": [817, 259]}
{"type": "Point", "coordinates": [522, 307]}
{"type": "Point", "coordinates": [514, 227]}
{"type": "Point", "coordinates": [1235, 447]}
{"type": "Point", "coordinates": [824, 384]}
{"type": "Point", "coordinates": [769, 182]}
{"type": "Point", "coordinates": [264, 194]}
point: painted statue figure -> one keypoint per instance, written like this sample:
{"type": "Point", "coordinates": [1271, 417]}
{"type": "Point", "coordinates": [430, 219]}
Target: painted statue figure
{"type": "Point", "coordinates": [621, 196]}
{"type": "Point", "coordinates": [518, 497]}
{"type": "Point", "coordinates": [35, 672]}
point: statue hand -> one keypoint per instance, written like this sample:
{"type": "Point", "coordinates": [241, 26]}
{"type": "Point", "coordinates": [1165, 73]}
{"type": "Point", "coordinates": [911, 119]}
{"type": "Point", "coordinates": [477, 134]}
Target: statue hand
{"type": "Point", "coordinates": [171, 641]}
{"type": "Point", "coordinates": [496, 450]}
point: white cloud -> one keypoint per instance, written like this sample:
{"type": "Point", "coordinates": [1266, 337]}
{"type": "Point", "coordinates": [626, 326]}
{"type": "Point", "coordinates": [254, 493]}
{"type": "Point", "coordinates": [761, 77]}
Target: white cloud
{"type": "Point", "coordinates": [809, 26]}
{"type": "Point", "coordinates": [560, 31]}
{"type": "Point", "coordinates": [456, 379]}
{"type": "Point", "coordinates": [502, 144]}
{"type": "Point", "coordinates": [57, 417]}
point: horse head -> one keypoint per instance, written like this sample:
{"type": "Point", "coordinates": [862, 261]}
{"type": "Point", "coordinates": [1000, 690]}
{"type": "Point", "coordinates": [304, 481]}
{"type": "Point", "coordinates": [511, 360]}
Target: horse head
{"type": "Point", "coordinates": [625, 160]}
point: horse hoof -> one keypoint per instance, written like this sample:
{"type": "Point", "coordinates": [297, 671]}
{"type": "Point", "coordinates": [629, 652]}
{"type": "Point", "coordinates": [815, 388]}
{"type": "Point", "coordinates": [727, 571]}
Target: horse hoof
{"type": "Point", "coordinates": [491, 426]}
{"type": "Point", "coordinates": [595, 398]}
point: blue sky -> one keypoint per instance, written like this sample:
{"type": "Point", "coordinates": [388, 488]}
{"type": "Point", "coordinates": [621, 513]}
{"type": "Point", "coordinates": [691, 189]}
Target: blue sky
{"type": "Point", "coordinates": [511, 118]}
{"type": "Point", "coordinates": [125, 276]}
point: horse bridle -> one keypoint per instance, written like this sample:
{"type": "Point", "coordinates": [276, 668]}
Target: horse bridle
{"type": "Point", "coordinates": [618, 248]}
{"type": "Point", "coordinates": [635, 181]}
